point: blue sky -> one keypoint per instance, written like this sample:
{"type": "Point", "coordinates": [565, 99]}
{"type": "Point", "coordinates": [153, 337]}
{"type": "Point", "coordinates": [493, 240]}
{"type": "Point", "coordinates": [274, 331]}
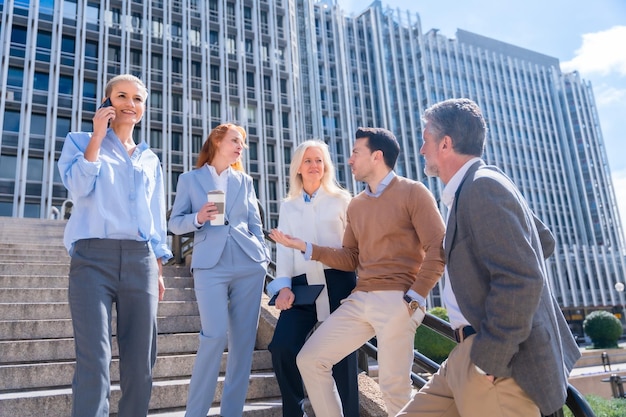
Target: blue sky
{"type": "Point", "coordinates": [587, 36]}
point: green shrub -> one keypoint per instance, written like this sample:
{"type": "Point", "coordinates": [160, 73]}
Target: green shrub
{"type": "Point", "coordinates": [432, 344]}
{"type": "Point", "coordinates": [603, 328]}
{"type": "Point", "coordinates": [602, 407]}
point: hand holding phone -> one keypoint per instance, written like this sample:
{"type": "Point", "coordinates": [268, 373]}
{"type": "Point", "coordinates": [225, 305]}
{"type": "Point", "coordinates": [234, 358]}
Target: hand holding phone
{"type": "Point", "coordinates": [106, 103]}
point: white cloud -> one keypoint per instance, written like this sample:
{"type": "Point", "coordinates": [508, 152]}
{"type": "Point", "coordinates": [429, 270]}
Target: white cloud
{"type": "Point", "coordinates": [601, 53]}
{"type": "Point", "coordinates": [607, 95]}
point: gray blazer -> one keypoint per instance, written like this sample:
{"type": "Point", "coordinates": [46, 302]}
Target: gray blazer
{"type": "Point", "coordinates": [241, 213]}
{"type": "Point", "coordinates": [495, 249]}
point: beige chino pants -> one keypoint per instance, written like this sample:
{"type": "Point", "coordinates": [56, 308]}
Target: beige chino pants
{"type": "Point", "coordinates": [360, 317]}
{"type": "Point", "coordinates": [458, 390]}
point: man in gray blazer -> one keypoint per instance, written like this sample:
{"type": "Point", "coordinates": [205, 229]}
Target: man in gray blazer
{"type": "Point", "coordinates": [515, 349]}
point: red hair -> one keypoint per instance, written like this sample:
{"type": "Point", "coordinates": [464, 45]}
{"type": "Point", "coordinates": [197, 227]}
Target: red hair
{"type": "Point", "coordinates": [207, 153]}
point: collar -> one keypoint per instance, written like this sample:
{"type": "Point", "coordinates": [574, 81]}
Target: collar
{"type": "Point", "coordinates": [447, 195]}
{"type": "Point", "coordinates": [381, 186]}
{"type": "Point", "coordinates": [308, 198]}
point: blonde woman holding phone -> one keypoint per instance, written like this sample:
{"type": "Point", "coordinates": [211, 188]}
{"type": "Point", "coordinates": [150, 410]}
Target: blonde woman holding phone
{"type": "Point", "coordinates": [117, 240]}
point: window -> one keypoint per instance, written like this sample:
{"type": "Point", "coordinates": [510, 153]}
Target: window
{"type": "Point", "coordinates": [177, 141]}
{"type": "Point", "coordinates": [231, 44]}
{"type": "Point", "coordinates": [69, 9]}
{"type": "Point", "coordinates": [68, 44]}
{"type": "Point", "coordinates": [196, 69]}
{"type": "Point", "coordinates": [41, 81]}
{"type": "Point", "coordinates": [44, 39]}
{"type": "Point", "coordinates": [177, 102]}
{"type": "Point", "coordinates": [35, 169]}
{"type": "Point", "coordinates": [15, 77]}
{"type": "Point", "coordinates": [216, 109]}
{"type": "Point", "coordinates": [93, 13]}
{"type": "Point", "coordinates": [156, 100]}
{"type": "Point", "coordinates": [89, 89]}
{"type": "Point", "coordinates": [8, 166]}
{"type": "Point", "coordinates": [177, 65]}
{"type": "Point", "coordinates": [232, 76]}
{"type": "Point", "coordinates": [135, 57]}
{"type": "Point", "coordinates": [11, 121]}
{"type": "Point", "coordinates": [194, 37]}
{"type": "Point", "coordinates": [136, 22]}
{"type": "Point", "coordinates": [38, 124]}
{"type": "Point", "coordinates": [157, 27]}
{"type": "Point", "coordinates": [156, 139]}
{"type": "Point", "coordinates": [63, 127]}
{"type": "Point", "coordinates": [196, 143]}
{"type": "Point", "coordinates": [215, 73]}
{"type": "Point", "coordinates": [91, 49]}
{"type": "Point", "coordinates": [65, 85]}
{"type": "Point", "coordinates": [157, 62]}
{"type": "Point", "coordinates": [251, 111]}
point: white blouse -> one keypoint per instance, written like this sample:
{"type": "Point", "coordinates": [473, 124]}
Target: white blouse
{"type": "Point", "coordinates": [322, 222]}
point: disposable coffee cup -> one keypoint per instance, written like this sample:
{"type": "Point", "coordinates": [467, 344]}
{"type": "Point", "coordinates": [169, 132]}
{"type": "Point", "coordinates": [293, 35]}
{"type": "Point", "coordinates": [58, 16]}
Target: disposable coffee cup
{"type": "Point", "coordinates": [217, 197]}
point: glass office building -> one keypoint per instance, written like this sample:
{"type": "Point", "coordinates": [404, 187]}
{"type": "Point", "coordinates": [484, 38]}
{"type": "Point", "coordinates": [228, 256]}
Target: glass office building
{"type": "Point", "coordinates": [290, 70]}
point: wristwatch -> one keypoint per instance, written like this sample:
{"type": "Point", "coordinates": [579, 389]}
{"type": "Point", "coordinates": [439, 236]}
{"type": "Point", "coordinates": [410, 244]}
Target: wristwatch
{"type": "Point", "coordinates": [413, 304]}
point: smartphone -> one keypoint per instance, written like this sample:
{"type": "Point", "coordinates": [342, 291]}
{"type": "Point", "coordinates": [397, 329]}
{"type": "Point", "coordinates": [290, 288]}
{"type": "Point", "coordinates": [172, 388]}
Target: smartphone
{"type": "Point", "coordinates": [107, 103]}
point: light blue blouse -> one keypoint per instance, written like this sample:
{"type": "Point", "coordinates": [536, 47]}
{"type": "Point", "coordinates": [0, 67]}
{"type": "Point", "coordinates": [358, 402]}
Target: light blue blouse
{"type": "Point", "coordinates": [115, 197]}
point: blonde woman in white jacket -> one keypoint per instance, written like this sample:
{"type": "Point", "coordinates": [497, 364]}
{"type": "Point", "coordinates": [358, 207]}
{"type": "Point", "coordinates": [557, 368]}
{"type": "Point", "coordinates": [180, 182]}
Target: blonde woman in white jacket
{"type": "Point", "coordinates": [315, 210]}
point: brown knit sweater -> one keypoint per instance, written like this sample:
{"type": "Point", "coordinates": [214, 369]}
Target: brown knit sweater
{"type": "Point", "coordinates": [394, 241]}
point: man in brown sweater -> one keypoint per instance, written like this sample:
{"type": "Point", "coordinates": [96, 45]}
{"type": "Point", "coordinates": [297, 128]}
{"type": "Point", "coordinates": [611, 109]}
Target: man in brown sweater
{"type": "Point", "coordinates": [393, 239]}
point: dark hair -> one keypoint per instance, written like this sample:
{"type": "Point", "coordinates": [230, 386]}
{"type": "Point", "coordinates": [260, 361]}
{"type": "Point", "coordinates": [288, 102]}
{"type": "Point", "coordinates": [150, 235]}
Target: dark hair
{"type": "Point", "coordinates": [380, 139]}
{"type": "Point", "coordinates": [462, 120]}
{"type": "Point", "coordinates": [209, 149]}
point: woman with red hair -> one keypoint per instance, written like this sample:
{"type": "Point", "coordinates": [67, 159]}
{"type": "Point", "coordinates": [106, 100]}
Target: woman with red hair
{"type": "Point", "coordinates": [229, 263]}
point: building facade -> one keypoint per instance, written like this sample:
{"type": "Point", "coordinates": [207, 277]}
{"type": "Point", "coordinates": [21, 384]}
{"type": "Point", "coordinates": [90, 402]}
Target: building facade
{"type": "Point", "coordinates": [291, 70]}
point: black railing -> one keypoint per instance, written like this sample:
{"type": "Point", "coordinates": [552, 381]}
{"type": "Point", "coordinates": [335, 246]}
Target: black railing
{"type": "Point", "coordinates": [575, 402]}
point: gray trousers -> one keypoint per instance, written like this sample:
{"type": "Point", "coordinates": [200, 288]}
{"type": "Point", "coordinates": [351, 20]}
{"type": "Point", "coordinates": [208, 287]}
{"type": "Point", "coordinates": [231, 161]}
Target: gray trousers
{"type": "Point", "coordinates": [104, 272]}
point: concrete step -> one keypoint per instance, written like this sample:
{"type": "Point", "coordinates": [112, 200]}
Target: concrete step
{"type": "Point", "coordinates": [267, 407]}
{"type": "Point", "coordinates": [59, 374]}
{"type": "Point", "coordinates": [21, 268]}
{"type": "Point", "coordinates": [58, 295]}
{"type": "Point", "coordinates": [62, 349]}
{"type": "Point", "coordinates": [166, 394]}
{"type": "Point", "coordinates": [61, 281]}
{"type": "Point", "coordinates": [33, 281]}
{"type": "Point", "coordinates": [7, 248]}
{"type": "Point", "coordinates": [61, 310]}
{"type": "Point", "coordinates": [30, 259]}
{"type": "Point", "coordinates": [62, 328]}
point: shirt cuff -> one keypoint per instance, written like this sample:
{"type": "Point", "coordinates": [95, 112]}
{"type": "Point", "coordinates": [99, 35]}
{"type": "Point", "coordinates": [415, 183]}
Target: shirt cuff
{"type": "Point", "coordinates": [196, 222]}
{"type": "Point", "coordinates": [278, 284]}
{"type": "Point", "coordinates": [308, 253]}
{"type": "Point", "coordinates": [414, 295]}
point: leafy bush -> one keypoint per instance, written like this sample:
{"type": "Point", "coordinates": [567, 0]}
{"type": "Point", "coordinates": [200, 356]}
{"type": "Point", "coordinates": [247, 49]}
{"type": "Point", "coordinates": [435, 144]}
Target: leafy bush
{"type": "Point", "coordinates": [603, 328]}
{"type": "Point", "coordinates": [602, 407]}
{"type": "Point", "coordinates": [432, 344]}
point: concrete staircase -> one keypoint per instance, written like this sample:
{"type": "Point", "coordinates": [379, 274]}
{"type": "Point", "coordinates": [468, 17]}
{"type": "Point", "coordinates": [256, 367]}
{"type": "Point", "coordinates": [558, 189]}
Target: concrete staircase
{"type": "Point", "coordinates": [36, 345]}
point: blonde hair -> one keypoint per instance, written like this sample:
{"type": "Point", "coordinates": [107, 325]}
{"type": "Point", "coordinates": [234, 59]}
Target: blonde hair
{"type": "Point", "coordinates": [329, 182]}
{"type": "Point", "coordinates": [207, 153]}
{"type": "Point", "coordinates": [125, 77]}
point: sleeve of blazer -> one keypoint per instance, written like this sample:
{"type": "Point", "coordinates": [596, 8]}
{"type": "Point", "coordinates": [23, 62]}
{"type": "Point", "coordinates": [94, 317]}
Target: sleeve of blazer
{"type": "Point", "coordinates": [502, 235]}
{"type": "Point", "coordinates": [254, 217]}
{"type": "Point", "coordinates": [182, 216]}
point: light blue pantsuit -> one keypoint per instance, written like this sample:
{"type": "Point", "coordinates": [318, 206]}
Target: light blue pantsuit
{"type": "Point", "coordinates": [229, 298]}
{"type": "Point", "coordinates": [103, 272]}
{"type": "Point", "coordinates": [229, 262]}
